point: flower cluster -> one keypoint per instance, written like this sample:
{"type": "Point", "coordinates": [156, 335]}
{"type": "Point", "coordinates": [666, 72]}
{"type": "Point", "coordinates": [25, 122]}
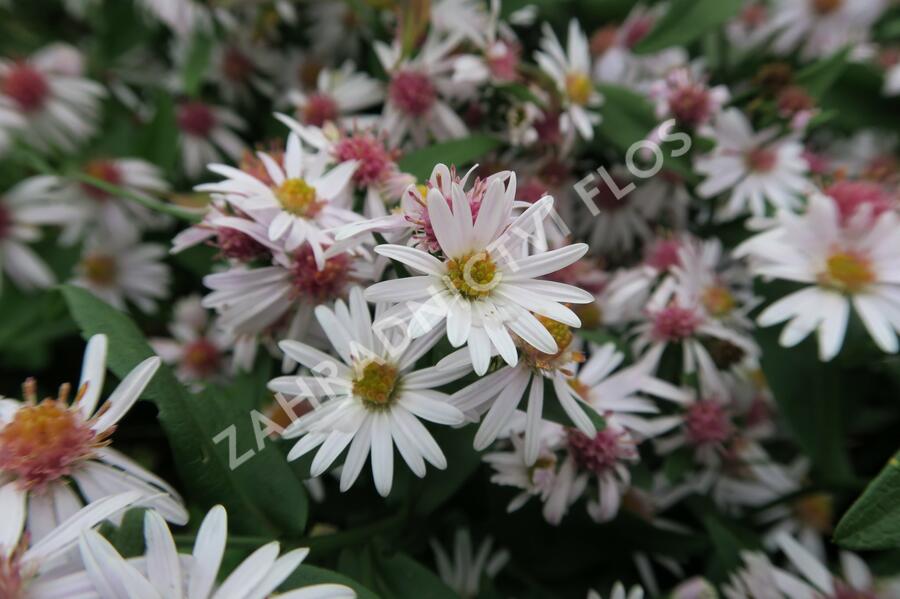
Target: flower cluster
{"type": "Point", "coordinates": [625, 271]}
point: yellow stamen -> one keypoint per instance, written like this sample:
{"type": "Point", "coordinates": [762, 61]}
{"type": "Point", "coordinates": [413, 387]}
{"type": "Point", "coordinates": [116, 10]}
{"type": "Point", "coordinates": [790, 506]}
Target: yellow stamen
{"type": "Point", "coordinates": [376, 384]}
{"type": "Point", "coordinates": [474, 275]}
{"type": "Point", "coordinates": [578, 88]}
{"type": "Point", "coordinates": [297, 197]}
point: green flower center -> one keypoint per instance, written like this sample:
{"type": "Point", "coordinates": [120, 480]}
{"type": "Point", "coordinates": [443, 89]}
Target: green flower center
{"type": "Point", "coordinates": [376, 384]}
{"type": "Point", "coordinates": [473, 275]}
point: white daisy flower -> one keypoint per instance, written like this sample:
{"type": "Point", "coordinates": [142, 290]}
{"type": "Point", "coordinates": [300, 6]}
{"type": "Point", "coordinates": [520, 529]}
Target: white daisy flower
{"type": "Point", "coordinates": [206, 134]}
{"type": "Point", "coordinates": [181, 16]}
{"type": "Point", "coordinates": [498, 50]}
{"type": "Point", "coordinates": [238, 68]}
{"type": "Point", "coordinates": [410, 222]}
{"type": "Point", "coordinates": [37, 568]}
{"type": "Point", "coordinates": [750, 27]}
{"type": "Point", "coordinates": [755, 168]}
{"type": "Point", "coordinates": [119, 269]}
{"type": "Point", "coordinates": [197, 348]}
{"type": "Point", "coordinates": [339, 93]}
{"type": "Point", "coordinates": [555, 482]}
{"type": "Point", "coordinates": [374, 398]}
{"type": "Point", "coordinates": [163, 573]}
{"type": "Point", "coordinates": [616, 60]}
{"type": "Point", "coordinates": [818, 28]}
{"type": "Point", "coordinates": [484, 287]}
{"type": "Point", "coordinates": [814, 580]}
{"type": "Point", "coordinates": [251, 300]}
{"type": "Point", "coordinates": [46, 101]}
{"type": "Point", "coordinates": [294, 198]}
{"type": "Point", "coordinates": [377, 174]}
{"type": "Point", "coordinates": [46, 444]}
{"type": "Point", "coordinates": [100, 208]}
{"type": "Point", "coordinates": [618, 592]}
{"type": "Point", "coordinates": [854, 263]}
{"type": "Point", "coordinates": [570, 70]}
{"type": "Point", "coordinates": [24, 208]}
{"type": "Point", "coordinates": [464, 570]}
{"type": "Point", "coordinates": [499, 393]}
{"type": "Point", "coordinates": [419, 90]}
{"type": "Point", "coordinates": [702, 314]}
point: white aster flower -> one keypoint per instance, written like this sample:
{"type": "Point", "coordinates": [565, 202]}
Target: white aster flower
{"type": "Point", "coordinates": [163, 573]}
{"type": "Point", "coordinates": [119, 269]}
{"type": "Point", "coordinates": [206, 134]}
{"type": "Point", "coordinates": [821, 27]}
{"type": "Point", "coordinates": [499, 393]}
{"type": "Point", "coordinates": [555, 482]}
{"type": "Point", "coordinates": [98, 208]}
{"type": "Point", "coordinates": [46, 444]}
{"type": "Point", "coordinates": [46, 101]}
{"type": "Point", "coordinates": [24, 208]}
{"type": "Point", "coordinates": [373, 397]}
{"type": "Point", "coordinates": [841, 265]}
{"type": "Point", "coordinates": [754, 168]}
{"type": "Point", "coordinates": [419, 90]}
{"type": "Point", "coordinates": [464, 570]}
{"type": "Point", "coordinates": [253, 300]}
{"type": "Point", "coordinates": [293, 198]}
{"type": "Point", "coordinates": [39, 570]}
{"type": "Point", "coordinates": [570, 70]}
{"type": "Point", "coordinates": [377, 174]}
{"type": "Point", "coordinates": [759, 579]}
{"type": "Point", "coordinates": [339, 93]}
{"type": "Point", "coordinates": [618, 592]}
{"type": "Point", "coordinates": [197, 347]}
{"type": "Point", "coordinates": [484, 288]}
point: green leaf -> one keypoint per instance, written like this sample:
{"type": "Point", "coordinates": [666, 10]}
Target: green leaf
{"type": "Point", "coordinates": [858, 101]}
{"type": "Point", "coordinates": [197, 62]}
{"type": "Point", "coordinates": [627, 116]}
{"type": "Point", "coordinates": [459, 152]}
{"type": "Point", "coordinates": [873, 522]}
{"type": "Point", "coordinates": [392, 575]}
{"type": "Point", "coordinates": [462, 462]}
{"type": "Point", "coordinates": [309, 575]}
{"type": "Point", "coordinates": [808, 392]}
{"type": "Point", "coordinates": [686, 21]}
{"type": "Point", "coordinates": [260, 493]}
{"type": "Point", "coordinates": [819, 76]}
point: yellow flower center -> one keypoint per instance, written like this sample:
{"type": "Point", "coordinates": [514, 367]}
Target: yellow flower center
{"type": "Point", "coordinates": [582, 390]}
{"type": "Point", "coordinates": [718, 301]}
{"type": "Point", "coordinates": [297, 197]}
{"type": "Point", "coordinates": [44, 441]}
{"type": "Point", "coordinates": [376, 384]}
{"type": "Point", "coordinates": [847, 272]}
{"type": "Point", "coordinates": [563, 336]}
{"type": "Point", "coordinates": [474, 275]}
{"type": "Point", "coordinates": [578, 88]}
{"type": "Point", "coordinates": [100, 269]}
{"type": "Point", "coordinates": [816, 511]}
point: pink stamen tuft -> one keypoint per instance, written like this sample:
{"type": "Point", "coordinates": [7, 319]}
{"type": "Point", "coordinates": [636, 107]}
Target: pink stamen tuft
{"type": "Point", "coordinates": [412, 92]}
{"type": "Point", "coordinates": [674, 323]}
{"type": "Point", "coordinates": [26, 86]}
{"type": "Point", "coordinates": [196, 118]}
{"type": "Point", "coordinates": [706, 422]}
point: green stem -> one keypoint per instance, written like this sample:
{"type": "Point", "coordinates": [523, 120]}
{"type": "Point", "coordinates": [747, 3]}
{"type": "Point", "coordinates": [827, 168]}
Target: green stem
{"type": "Point", "coordinates": [146, 201]}
{"type": "Point", "coordinates": [320, 544]}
